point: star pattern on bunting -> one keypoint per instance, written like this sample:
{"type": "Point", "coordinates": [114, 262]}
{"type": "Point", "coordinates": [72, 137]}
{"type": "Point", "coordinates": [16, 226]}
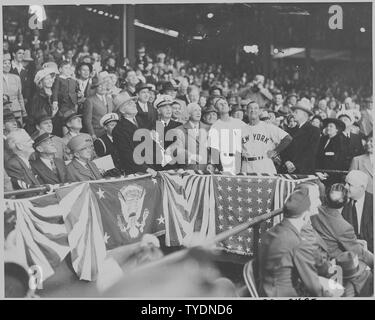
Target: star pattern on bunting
{"type": "Point", "coordinates": [100, 193]}
{"type": "Point", "coordinates": [239, 201]}
{"type": "Point", "coordinates": [161, 220]}
{"type": "Point", "coordinates": [106, 237]}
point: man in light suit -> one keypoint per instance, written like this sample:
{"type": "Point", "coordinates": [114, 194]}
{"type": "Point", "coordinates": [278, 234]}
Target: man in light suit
{"type": "Point", "coordinates": [49, 169]}
{"type": "Point", "coordinates": [18, 167]}
{"type": "Point", "coordinates": [335, 230]}
{"type": "Point", "coordinates": [95, 107]}
{"type": "Point", "coordinates": [365, 162]}
{"type": "Point", "coordinates": [81, 168]}
{"type": "Point", "coordinates": [359, 210]}
{"type": "Point", "coordinates": [193, 139]}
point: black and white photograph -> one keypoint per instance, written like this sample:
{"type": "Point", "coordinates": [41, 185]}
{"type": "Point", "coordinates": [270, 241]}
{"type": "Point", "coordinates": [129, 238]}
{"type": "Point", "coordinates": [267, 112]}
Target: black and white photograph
{"type": "Point", "coordinates": [169, 150]}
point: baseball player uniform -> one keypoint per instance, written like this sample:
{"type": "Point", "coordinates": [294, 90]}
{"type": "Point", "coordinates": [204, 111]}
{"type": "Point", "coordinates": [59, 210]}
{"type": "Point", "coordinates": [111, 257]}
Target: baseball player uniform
{"type": "Point", "coordinates": [256, 141]}
{"type": "Point", "coordinates": [225, 136]}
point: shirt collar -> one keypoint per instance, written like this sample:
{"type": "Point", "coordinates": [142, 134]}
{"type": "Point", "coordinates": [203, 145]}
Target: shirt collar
{"type": "Point", "coordinates": [26, 161]}
{"type": "Point", "coordinates": [361, 200]}
{"type": "Point", "coordinates": [300, 126]}
{"type": "Point", "coordinates": [82, 163]}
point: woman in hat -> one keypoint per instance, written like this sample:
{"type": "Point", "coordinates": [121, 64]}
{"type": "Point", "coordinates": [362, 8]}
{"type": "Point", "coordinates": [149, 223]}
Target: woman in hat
{"type": "Point", "coordinates": [41, 102]}
{"type": "Point", "coordinates": [331, 149]}
{"type": "Point", "coordinates": [13, 88]}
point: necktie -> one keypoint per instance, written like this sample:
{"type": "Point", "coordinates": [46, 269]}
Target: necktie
{"type": "Point", "coordinates": [53, 166]}
{"type": "Point", "coordinates": [355, 217]}
{"type": "Point", "coordinates": [135, 122]}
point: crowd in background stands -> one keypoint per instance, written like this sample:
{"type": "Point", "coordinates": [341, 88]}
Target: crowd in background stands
{"type": "Point", "coordinates": [70, 106]}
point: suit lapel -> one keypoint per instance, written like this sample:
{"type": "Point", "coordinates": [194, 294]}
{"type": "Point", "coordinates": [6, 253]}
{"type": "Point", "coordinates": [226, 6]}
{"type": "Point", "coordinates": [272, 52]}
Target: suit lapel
{"type": "Point", "coordinates": [82, 170]}
{"type": "Point", "coordinates": [47, 171]}
{"type": "Point", "coordinates": [28, 172]}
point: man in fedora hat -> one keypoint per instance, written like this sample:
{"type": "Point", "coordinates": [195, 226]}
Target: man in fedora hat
{"type": "Point", "coordinates": [146, 112]}
{"type": "Point", "coordinates": [357, 280]}
{"type": "Point", "coordinates": [123, 138]}
{"type": "Point", "coordinates": [96, 106]}
{"type": "Point", "coordinates": [209, 115]}
{"type": "Point", "coordinates": [81, 168]}
{"type": "Point", "coordinates": [48, 168]}
{"type": "Point", "coordinates": [300, 156]}
{"type": "Point", "coordinates": [352, 143]}
{"type": "Point", "coordinates": [286, 261]}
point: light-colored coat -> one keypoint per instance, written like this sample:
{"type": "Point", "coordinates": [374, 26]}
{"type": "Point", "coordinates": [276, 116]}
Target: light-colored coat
{"type": "Point", "coordinates": [363, 163]}
{"type": "Point", "coordinates": [13, 88]}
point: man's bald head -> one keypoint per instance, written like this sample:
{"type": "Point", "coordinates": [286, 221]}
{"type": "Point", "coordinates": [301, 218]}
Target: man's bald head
{"type": "Point", "coordinates": [356, 182]}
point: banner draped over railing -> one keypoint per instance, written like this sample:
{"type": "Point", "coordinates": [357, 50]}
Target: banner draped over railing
{"type": "Point", "coordinates": [89, 218]}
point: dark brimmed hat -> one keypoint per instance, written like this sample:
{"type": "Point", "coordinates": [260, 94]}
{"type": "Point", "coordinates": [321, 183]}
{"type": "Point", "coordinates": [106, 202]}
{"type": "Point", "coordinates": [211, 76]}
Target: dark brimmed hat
{"type": "Point", "coordinates": [70, 115]}
{"type": "Point", "coordinates": [39, 139]}
{"type": "Point", "coordinates": [79, 65]}
{"type": "Point", "coordinates": [337, 122]}
{"type": "Point", "coordinates": [317, 117]}
{"type": "Point", "coordinates": [236, 108]}
{"type": "Point", "coordinates": [168, 86]}
{"type": "Point", "coordinates": [296, 204]}
{"type": "Point", "coordinates": [140, 86]}
{"type": "Point", "coordinates": [209, 110]}
{"type": "Point", "coordinates": [350, 264]}
{"type": "Point", "coordinates": [42, 117]}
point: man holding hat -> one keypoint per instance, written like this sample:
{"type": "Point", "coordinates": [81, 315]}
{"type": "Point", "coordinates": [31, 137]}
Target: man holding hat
{"type": "Point", "coordinates": [81, 168]}
{"type": "Point", "coordinates": [300, 155]}
{"type": "Point", "coordinates": [18, 166]}
{"type": "Point", "coordinates": [287, 265]}
{"type": "Point", "coordinates": [104, 144]}
{"type": "Point", "coordinates": [13, 88]}
{"type": "Point", "coordinates": [96, 106]}
{"type": "Point", "coordinates": [357, 280]}
{"type": "Point", "coordinates": [123, 138]}
{"type": "Point", "coordinates": [146, 112]}
{"type": "Point", "coordinates": [352, 143]}
{"type": "Point", "coordinates": [49, 169]}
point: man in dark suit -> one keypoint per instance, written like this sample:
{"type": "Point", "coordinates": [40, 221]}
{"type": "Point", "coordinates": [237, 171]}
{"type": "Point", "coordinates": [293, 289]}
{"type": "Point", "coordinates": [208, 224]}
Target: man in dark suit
{"type": "Point", "coordinates": [104, 144]}
{"type": "Point", "coordinates": [49, 170]}
{"type": "Point", "coordinates": [300, 155]}
{"type": "Point", "coordinates": [352, 143]}
{"type": "Point", "coordinates": [335, 230]}
{"type": "Point", "coordinates": [81, 168]}
{"type": "Point", "coordinates": [123, 139]}
{"type": "Point", "coordinates": [359, 210]}
{"type": "Point", "coordinates": [163, 140]}
{"type": "Point", "coordinates": [18, 167]}
{"type": "Point", "coordinates": [286, 260]}
{"type": "Point", "coordinates": [147, 114]}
